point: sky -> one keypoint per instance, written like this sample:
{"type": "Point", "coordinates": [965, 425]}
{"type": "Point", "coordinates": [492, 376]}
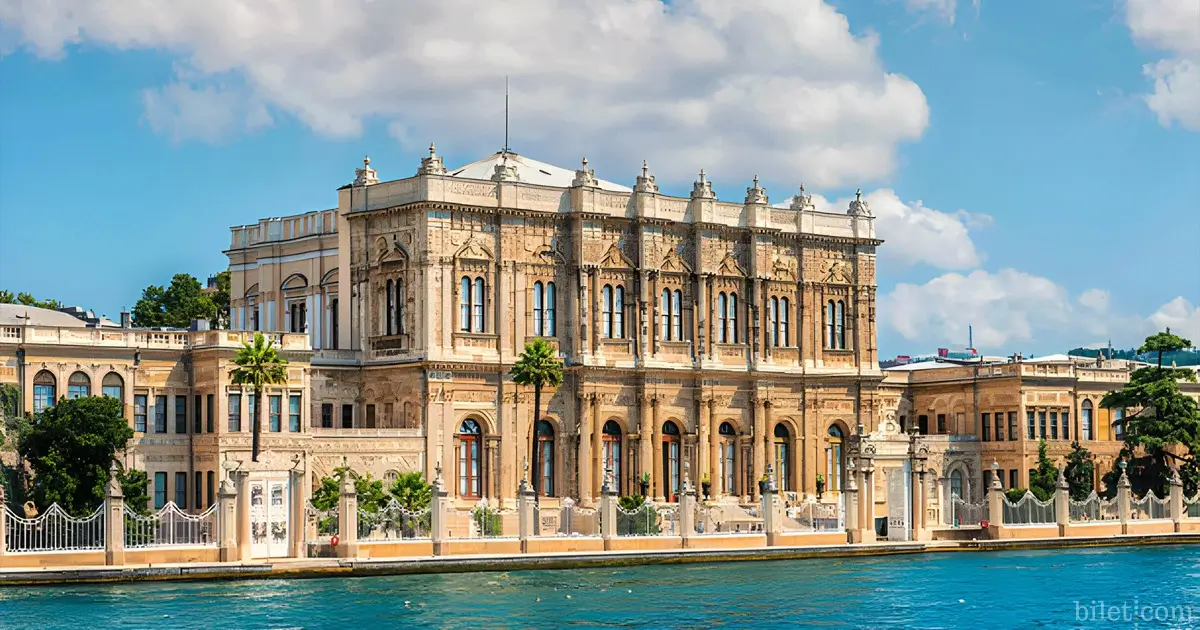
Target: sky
{"type": "Point", "coordinates": [1034, 166]}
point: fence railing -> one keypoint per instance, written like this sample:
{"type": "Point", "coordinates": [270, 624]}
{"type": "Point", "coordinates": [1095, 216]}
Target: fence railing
{"type": "Point", "coordinates": [488, 522]}
{"type": "Point", "coordinates": [1149, 507]}
{"type": "Point", "coordinates": [1191, 506]}
{"type": "Point", "coordinates": [1028, 511]}
{"type": "Point", "coordinates": [170, 526]}
{"type": "Point", "coordinates": [394, 522]}
{"type": "Point", "coordinates": [578, 521]}
{"type": "Point", "coordinates": [728, 518]}
{"type": "Point", "coordinates": [964, 514]}
{"type": "Point", "coordinates": [817, 517]}
{"type": "Point", "coordinates": [54, 530]}
{"type": "Point", "coordinates": [1094, 508]}
{"type": "Point", "coordinates": [647, 519]}
{"type": "Point", "coordinates": [320, 525]}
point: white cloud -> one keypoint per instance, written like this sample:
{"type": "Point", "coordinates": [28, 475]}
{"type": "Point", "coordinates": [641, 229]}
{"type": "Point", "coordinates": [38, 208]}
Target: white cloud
{"type": "Point", "coordinates": [1172, 26]}
{"type": "Point", "coordinates": [782, 87]}
{"type": "Point", "coordinates": [206, 112]}
{"type": "Point", "coordinates": [944, 9]}
{"type": "Point", "coordinates": [1009, 306]}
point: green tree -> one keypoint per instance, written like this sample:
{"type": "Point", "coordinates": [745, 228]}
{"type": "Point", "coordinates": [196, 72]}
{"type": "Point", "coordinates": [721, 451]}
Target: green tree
{"type": "Point", "coordinates": [371, 496]}
{"type": "Point", "coordinates": [1166, 425]}
{"type": "Point", "coordinates": [70, 448]}
{"type": "Point", "coordinates": [7, 297]}
{"type": "Point", "coordinates": [1043, 478]}
{"type": "Point", "coordinates": [175, 306]}
{"type": "Point", "coordinates": [258, 365]}
{"type": "Point", "coordinates": [411, 491]}
{"type": "Point", "coordinates": [537, 367]}
{"type": "Point", "coordinates": [135, 485]}
{"type": "Point", "coordinates": [8, 399]}
{"type": "Point", "coordinates": [220, 299]}
{"type": "Point", "coordinates": [1079, 472]}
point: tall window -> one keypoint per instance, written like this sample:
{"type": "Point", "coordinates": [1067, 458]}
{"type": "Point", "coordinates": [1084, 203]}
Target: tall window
{"type": "Point", "coordinates": [941, 424]}
{"type": "Point", "coordinates": [390, 299]}
{"type": "Point", "coordinates": [722, 318]}
{"type": "Point", "coordinates": [198, 490]}
{"type": "Point", "coordinates": [1085, 420]}
{"type": "Point", "coordinates": [78, 386]}
{"type": "Point", "coordinates": [733, 318]}
{"type": "Point", "coordinates": [613, 307]}
{"type": "Point", "coordinates": [545, 445]}
{"type": "Point", "coordinates": [197, 415]}
{"type": "Point", "coordinates": [783, 472]}
{"type": "Point", "coordinates": [835, 325]}
{"type": "Point", "coordinates": [297, 316]}
{"type": "Point", "coordinates": [181, 414]}
{"type": "Point", "coordinates": [347, 416]}
{"type": "Point", "coordinates": [333, 323]}
{"type": "Point", "coordinates": [1042, 424]}
{"type": "Point", "coordinates": [612, 453]}
{"type": "Point", "coordinates": [276, 404]}
{"type": "Point", "coordinates": [956, 484]}
{"type": "Point", "coordinates": [543, 309]}
{"type": "Point", "coordinates": [464, 305]}
{"type": "Point", "coordinates": [235, 413]}
{"type": "Point", "coordinates": [773, 322]}
{"type": "Point", "coordinates": [294, 414]}
{"type": "Point", "coordinates": [664, 315]}
{"type": "Point", "coordinates": [470, 305]}
{"type": "Point", "coordinates": [160, 414]}
{"type": "Point", "coordinates": [606, 311]}
{"type": "Point", "coordinates": [671, 460]}
{"type": "Point", "coordinates": [1118, 424]}
{"type": "Point", "coordinates": [1066, 425]}
{"type": "Point", "coordinates": [784, 308]}
{"type": "Point", "coordinates": [677, 315]}
{"type": "Point", "coordinates": [841, 325]}
{"type": "Point", "coordinates": [999, 426]}
{"type": "Point", "coordinates": [210, 408]}
{"type": "Point", "coordinates": [1053, 425]}
{"type": "Point", "coordinates": [539, 297]}
{"type": "Point", "coordinates": [113, 386]}
{"type": "Point", "coordinates": [830, 326]}
{"type": "Point", "coordinates": [477, 306]}
{"type": "Point", "coordinates": [1012, 426]}
{"type": "Point", "coordinates": [160, 490]}
{"type": "Point", "coordinates": [834, 463]}
{"type": "Point", "coordinates": [987, 427]}
{"type": "Point", "coordinates": [1031, 430]}
{"type": "Point", "coordinates": [181, 490]}
{"type": "Point", "coordinates": [398, 300]}
{"type": "Point", "coordinates": [212, 489]}
{"type": "Point", "coordinates": [726, 449]}
{"type": "Point", "coordinates": [139, 412]}
{"type": "Point", "coordinates": [469, 458]}
{"type": "Point", "coordinates": [326, 415]}
{"type": "Point", "coordinates": [43, 391]}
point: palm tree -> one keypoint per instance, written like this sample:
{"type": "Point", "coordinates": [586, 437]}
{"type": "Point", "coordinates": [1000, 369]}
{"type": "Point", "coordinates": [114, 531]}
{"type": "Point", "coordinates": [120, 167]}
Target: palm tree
{"type": "Point", "coordinates": [538, 366]}
{"type": "Point", "coordinates": [258, 365]}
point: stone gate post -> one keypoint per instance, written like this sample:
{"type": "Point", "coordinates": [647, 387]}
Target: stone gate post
{"type": "Point", "coordinates": [1123, 494]}
{"type": "Point", "coordinates": [437, 514]}
{"type": "Point", "coordinates": [114, 524]}
{"type": "Point", "coordinates": [608, 512]}
{"type": "Point", "coordinates": [227, 520]}
{"type": "Point", "coordinates": [1175, 499]}
{"type": "Point", "coordinates": [348, 518]}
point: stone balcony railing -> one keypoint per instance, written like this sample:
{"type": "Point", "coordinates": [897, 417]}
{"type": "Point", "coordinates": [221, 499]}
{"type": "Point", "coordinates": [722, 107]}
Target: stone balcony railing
{"type": "Point", "coordinates": [140, 338]}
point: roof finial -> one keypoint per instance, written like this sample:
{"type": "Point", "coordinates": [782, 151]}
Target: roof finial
{"type": "Point", "coordinates": [645, 168]}
{"type": "Point", "coordinates": [367, 161]}
{"type": "Point", "coordinates": [756, 180]}
{"type": "Point", "coordinates": [645, 181]}
{"type": "Point", "coordinates": [701, 176]}
{"type": "Point", "coordinates": [703, 188]}
{"type": "Point", "coordinates": [858, 194]}
{"type": "Point", "coordinates": [432, 150]}
{"type": "Point", "coordinates": [585, 163]}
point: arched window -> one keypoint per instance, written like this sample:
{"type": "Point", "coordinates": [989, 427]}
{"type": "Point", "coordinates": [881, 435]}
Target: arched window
{"type": "Point", "coordinates": [611, 454]}
{"type": "Point", "coordinates": [784, 308]}
{"type": "Point", "coordinates": [834, 463]}
{"type": "Point", "coordinates": [677, 315]}
{"type": "Point", "coordinates": [391, 308]}
{"type": "Point", "coordinates": [619, 313]}
{"type": "Point", "coordinates": [390, 478]}
{"type": "Point", "coordinates": [78, 386]}
{"type": "Point", "coordinates": [113, 386]}
{"type": "Point", "coordinates": [773, 322]}
{"type": "Point", "coordinates": [783, 472]}
{"type": "Point", "coordinates": [664, 315]}
{"type": "Point", "coordinates": [333, 323]}
{"type": "Point", "coordinates": [477, 306]}
{"type": "Point", "coordinates": [470, 460]}
{"type": "Point", "coordinates": [395, 307]}
{"type": "Point", "coordinates": [545, 445]}
{"type": "Point", "coordinates": [1085, 420]}
{"type": "Point", "coordinates": [722, 318]}
{"type": "Point", "coordinates": [841, 325]}
{"type": "Point", "coordinates": [726, 447]}
{"type": "Point", "coordinates": [956, 484]}
{"type": "Point", "coordinates": [606, 308]}
{"type": "Point", "coordinates": [551, 328]}
{"type": "Point", "coordinates": [830, 335]}
{"type": "Point", "coordinates": [464, 305]}
{"type": "Point", "coordinates": [43, 391]}
{"type": "Point", "coordinates": [671, 460]}
{"type": "Point", "coordinates": [733, 318]}
{"type": "Point", "coordinates": [539, 297]}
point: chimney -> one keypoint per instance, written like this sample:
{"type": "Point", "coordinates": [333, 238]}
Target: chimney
{"type": "Point", "coordinates": [126, 320]}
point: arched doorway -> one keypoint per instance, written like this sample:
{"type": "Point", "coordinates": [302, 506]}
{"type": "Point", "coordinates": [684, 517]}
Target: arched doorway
{"type": "Point", "coordinates": [545, 446]}
{"type": "Point", "coordinates": [671, 461]}
{"type": "Point", "coordinates": [783, 472]}
{"type": "Point", "coordinates": [956, 485]}
{"type": "Point", "coordinates": [834, 459]}
{"type": "Point", "coordinates": [726, 448]}
{"type": "Point", "coordinates": [611, 455]}
{"type": "Point", "coordinates": [470, 460]}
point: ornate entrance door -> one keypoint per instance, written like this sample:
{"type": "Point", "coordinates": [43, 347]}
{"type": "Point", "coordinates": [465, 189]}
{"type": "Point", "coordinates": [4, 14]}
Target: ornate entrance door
{"type": "Point", "coordinates": [269, 517]}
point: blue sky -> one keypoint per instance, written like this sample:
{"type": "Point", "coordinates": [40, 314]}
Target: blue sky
{"type": "Point", "coordinates": [1031, 176]}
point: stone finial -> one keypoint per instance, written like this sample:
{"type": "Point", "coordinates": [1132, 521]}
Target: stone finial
{"type": "Point", "coordinates": [1123, 482]}
{"type": "Point", "coordinates": [432, 165]}
{"type": "Point", "coordinates": [114, 490]}
{"type": "Point", "coordinates": [505, 172]}
{"type": "Point", "coordinates": [438, 484]}
{"type": "Point", "coordinates": [803, 201]}
{"type": "Point", "coordinates": [858, 207]}
{"type": "Point", "coordinates": [1175, 479]}
{"type": "Point", "coordinates": [365, 176]}
{"type": "Point", "coordinates": [645, 181]}
{"type": "Point", "coordinates": [756, 194]}
{"type": "Point", "coordinates": [1061, 482]}
{"type": "Point", "coordinates": [703, 189]}
{"type": "Point", "coordinates": [585, 176]}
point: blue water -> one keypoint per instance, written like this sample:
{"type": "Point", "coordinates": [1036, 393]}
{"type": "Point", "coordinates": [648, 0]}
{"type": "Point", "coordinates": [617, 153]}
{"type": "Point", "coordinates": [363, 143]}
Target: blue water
{"type": "Point", "coordinates": [1029, 589]}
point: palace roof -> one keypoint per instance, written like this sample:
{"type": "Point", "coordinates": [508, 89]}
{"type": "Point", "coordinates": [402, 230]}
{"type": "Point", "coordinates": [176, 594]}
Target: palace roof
{"type": "Point", "coordinates": [528, 170]}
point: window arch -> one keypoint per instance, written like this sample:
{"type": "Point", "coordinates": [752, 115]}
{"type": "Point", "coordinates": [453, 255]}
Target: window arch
{"type": "Point", "coordinates": [543, 309]}
{"type": "Point", "coordinates": [773, 322]}
{"type": "Point", "coordinates": [726, 451]}
{"type": "Point", "coordinates": [44, 386]}
{"type": "Point", "coordinates": [733, 318]}
{"type": "Point", "coordinates": [470, 459]}
{"type": "Point", "coordinates": [664, 315]}
{"type": "Point", "coordinates": [1085, 420]}
{"type": "Point", "coordinates": [834, 459]}
{"type": "Point", "coordinates": [677, 315]}
{"type": "Point", "coordinates": [956, 484]}
{"type": "Point", "coordinates": [671, 460]}
{"type": "Point", "coordinates": [835, 325]}
{"type": "Point", "coordinates": [545, 446]}
{"type": "Point", "coordinates": [78, 386]}
{"type": "Point", "coordinates": [390, 477]}
{"type": "Point", "coordinates": [606, 309]}
{"type": "Point", "coordinates": [470, 305]}
{"type": "Point", "coordinates": [783, 472]}
{"type": "Point", "coordinates": [395, 307]}
{"type": "Point", "coordinates": [113, 386]}
{"type": "Point", "coordinates": [611, 454]}
{"type": "Point", "coordinates": [784, 308]}
{"type": "Point", "coordinates": [722, 318]}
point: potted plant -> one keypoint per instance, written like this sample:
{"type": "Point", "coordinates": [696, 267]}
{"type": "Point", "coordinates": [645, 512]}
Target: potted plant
{"type": "Point", "coordinates": [762, 485]}
{"type": "Point", "coordinates": [705, 485]}
{"type": "Point", "coordinates": [820, 485]}
{"type": "Point", "coordinates": [644, 482]}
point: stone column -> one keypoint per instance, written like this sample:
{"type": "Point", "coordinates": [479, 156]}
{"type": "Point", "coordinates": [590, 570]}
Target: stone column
{"type": "Point", "coordinates": [656, 480]}
{"type": "Point", "coordinates": [437, 514]}
{"type": "Point", "coordinates": [853, 532]}
{"type": "Point", "coordinates": [704, 448]}
{"type": "Point", "coordinates": [114, 525]}
{"type": "Point", "coordinates": [585, 450]}
{"type": "Point", "coordinates": [995, 498]}
{"type": "Point", "coordinates": [867, 497]}
{"type": "Point", "coordinates": [645, 457]}
{"type": "Point", "coordinates": [227, 522]}
{"type": "Point", "coordinates": [1123, 495]}
{"type": "Point", "coordinates": [772, 523]}
{"type": "Point", "coordinates": [714, 449]}
{"type": "Point", "coordinates": [525, 515]}
{"type": "Point", "coordinates": [687, 512]}
{"type": "Point", "coordinates": [608, 513]}
{"type": "Point", "coordinates": [244, 540]}
{"type": "Point", "coordinates": [297, 542]}
{"type": "Point", "coordinates": [915, 502]}
{"type": "Point", "coordinates": [348, 519]}
{"type": "Point", "coordinates": [768, 442]}
{"type": "Point", "coordinates": [759, 445]}
{"type": "Point", "coordinates": [596, 454]}
{"type": "Point", "coordinates": [1174, 498]}
{"type": "Point", "coordinates": [1062, 503]}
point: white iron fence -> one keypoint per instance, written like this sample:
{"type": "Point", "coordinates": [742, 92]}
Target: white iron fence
{"type": "Point", "coordinates": [728, 518]}
{"type": "Point", "coordinates": [1028, 511]}
{"type": "Point", "coordinates": [394, 522]}
{"type": "Point", "coordinates": [54, 530]}
{"type": "Point", "coordinates": [321, 525]}
{"type": "Point", "coordinates": [964, 514]}
{"type": "Point", "coordinates": [170, 527]}
{"type": "Point", "coordinates": [578, 521]}
{"type": "Point", "coordinates": [1094, 508]}
{"type": "Point", "coordinates": [1149, 507]}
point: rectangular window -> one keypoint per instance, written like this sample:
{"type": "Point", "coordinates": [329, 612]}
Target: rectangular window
{"type": "Point", "coordinates": [999, 426]}
{"type": "Point", "coordinates": [1032, 432]}
{"type": "Point", "coordinates": [326, 415]}
{"type": "Point", "coordinates": [160, 414]}
{"type": "Point", "coordinates": [987, 427]}
{"type": "Point", "coordinates": [941, 419]}
{"type": "Point", "coordinates": [255, 412]}
{"type": "Point", "coordinates": [199, 491]}
{"type": "Point", "coordinates": [1042, 424]}
{"type": "Point", "coordinates": [212, 487]}
{"type": "Point", "coordinates": [1066, 425]}
{"type": "Point", "coordinates": [347, 416]}
{"type": "Point", "coordinates": [139, 412]}
{"type": "Point", "coordinates": [294, 414]}
{"type": "Point", "coordinates": [181, 414]}
{"type": "Point", "coordinates": [276, 410]}
{"type": "Point", "coordinates": [43, 397]}
{"type": "Point", "coordinates": [1118, 424]}
{"type": "Point", "coordinates": [235, 413]}
{"type": "Point", "coordinates": [160, 490]}
{"type": "Point", "coordinates": [1012, 478]}
{"type": "Point", "coordinates": [1053, 425]}
{"type": "Point", "coordinates": [1012, 427]}
{"type": "Point", "coordinates": [210, 410]}
{"type": "Point", "coordinates": [181, 490]}
{"type": "Point", "coordinates": [923, 425]}
{"type": "Point", "coordinates": [370, 416]}
{"type": "Point", "coordinates": [197, 415]}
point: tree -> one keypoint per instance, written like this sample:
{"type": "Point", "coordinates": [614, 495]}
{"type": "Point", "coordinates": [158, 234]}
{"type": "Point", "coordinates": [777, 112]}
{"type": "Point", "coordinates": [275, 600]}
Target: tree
{"type": "Point", "coordinates": [220, 299]}
{"type": "Point", "coordinates": [175, 306]}
{"type": "Point", "coordinates": [7, 297]}
{"type": "Point", "coordinates": [1166, 425]}
{"type": "Point", "coordinates": [411, 491]}
{"type": "Point", "coordinates": [371, 496]}
{"type": "Point", "coordinates": [1079, 472]}
{"type": "Point", "coordinates": [135, 485]}
{"type": "Point", "coordinates": [70, 449]}
{"type": "Point", "coordinates": [537, 366]}
{"type": "Point", "coordinates": [258, 365]}
{"type": "Point", "coordinates": [1042, 479]}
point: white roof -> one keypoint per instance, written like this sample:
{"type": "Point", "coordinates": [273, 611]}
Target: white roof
{"type": "Point", "coordinates": [1049, 358]}
{"type": "Point", "coordinates": [529, 171]}
{"type": "Point", "coordinates": [14, 315]}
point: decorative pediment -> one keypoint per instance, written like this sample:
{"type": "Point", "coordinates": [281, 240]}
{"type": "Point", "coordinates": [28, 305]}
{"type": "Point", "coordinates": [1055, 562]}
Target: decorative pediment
{"type": "Point", "coordinates": [783, 269]}
{"type": "Point", "coordinates": [729, 266]}
{"type": "Point", "coordinates": [614, 257]}
{"type": "Point", "coordinates": [673, 262]}
{"type": "Point", "coordinates": [393, 252]}
{"type": "Point", "coordinates": [838, 272]}
{"type": "Point", "coordinates": [474, 250]}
